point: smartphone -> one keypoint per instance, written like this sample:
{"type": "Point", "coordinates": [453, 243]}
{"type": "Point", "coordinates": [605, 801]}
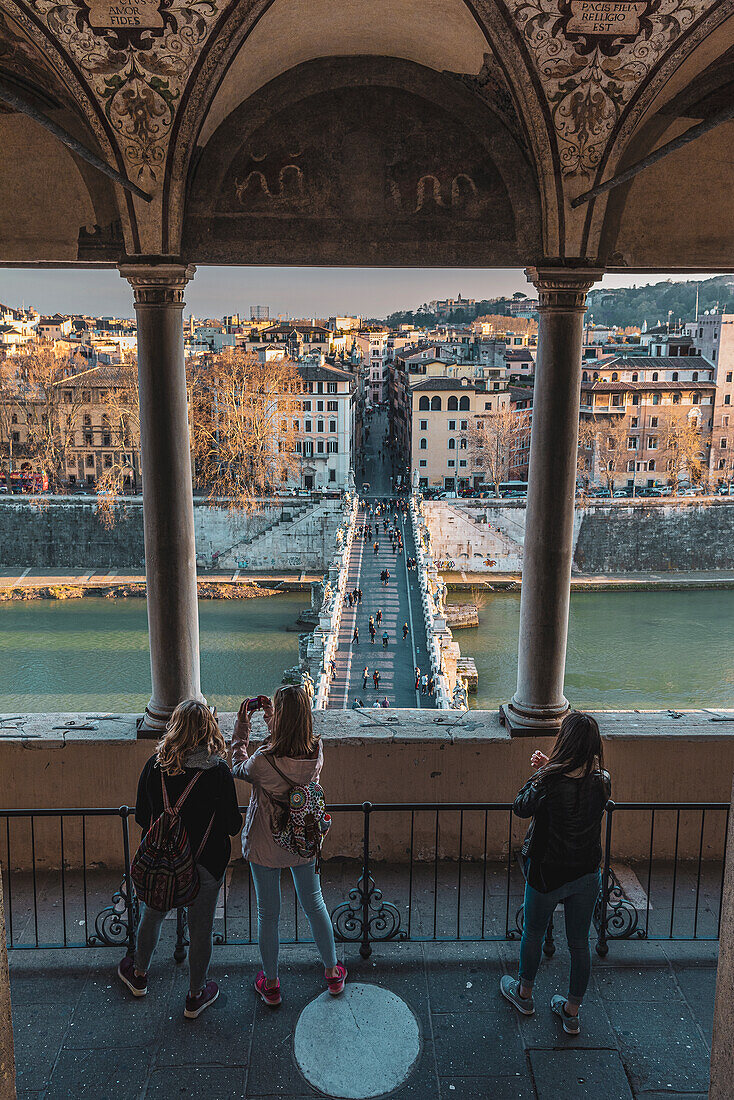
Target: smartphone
{"type": "Point", "coordinates": [257, 703]}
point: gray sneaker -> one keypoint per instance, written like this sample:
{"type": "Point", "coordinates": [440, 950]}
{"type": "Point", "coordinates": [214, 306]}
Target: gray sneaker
{"type": "Point", "coordinates": [571, 1024]}
{"type": "Point", "coordinates": [510, 989]}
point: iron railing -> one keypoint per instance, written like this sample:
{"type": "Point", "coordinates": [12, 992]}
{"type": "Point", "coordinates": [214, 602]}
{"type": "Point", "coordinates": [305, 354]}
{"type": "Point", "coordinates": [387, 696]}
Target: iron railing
{"type": "Point", "coordinates": [446, 885]}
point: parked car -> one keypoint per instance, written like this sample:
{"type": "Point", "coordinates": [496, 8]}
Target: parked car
{"type": "Point", "coordinates": [726, 490]}
{"type": "Point", "coordinates": [622, 493]}
{"type": "Point", "coordinates": [515, 494]}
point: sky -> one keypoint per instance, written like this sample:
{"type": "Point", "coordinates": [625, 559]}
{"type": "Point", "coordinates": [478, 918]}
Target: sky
{"type": "Point", "coordinates": [289, 291]}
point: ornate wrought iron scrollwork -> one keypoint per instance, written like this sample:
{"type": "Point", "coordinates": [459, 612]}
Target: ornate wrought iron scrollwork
{"type": "Point", "coordinates": [622, 918]}
{"type": "Point", "coordinates": [366, 917]}
{"type": "Point", "coordinates": [112, 925]}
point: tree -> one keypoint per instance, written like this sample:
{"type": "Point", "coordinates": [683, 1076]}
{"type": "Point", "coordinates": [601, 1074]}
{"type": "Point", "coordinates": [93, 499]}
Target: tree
{"type": "Point", "coordinates": [585, 452]}
{"type": "Point", "coordinates": [245, 422]}
{"type": "Point", "coordinates": [121, 417]}
{"type": "Point", "coordinates": [493, 440]}
{"type": "Point", "coordinates": [607, 438]}
{"type": "Point", "coordinates": [11, 416]}
{"type": "Point", "coordinates": [679, 445]}
{"type": "Point", "coordinates": [50, 404]}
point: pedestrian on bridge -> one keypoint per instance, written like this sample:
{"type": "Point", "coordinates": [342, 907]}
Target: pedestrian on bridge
{"type": "Point", "coordinates": [379, 616]}
{"type": "Point", "coordinates": [384, 639]}
{"type": "Point", "coordinates": [406, 632]}
{"type": "Point", "coordinates": [431, 684]}
{"type": "Point", "coordinates": [417, 678]}
{"type": "Point", "coordinates": [376, 547]}
{"type": "Point", "coordinates": [424, 683]}
{"type": "Point", "coordinates": [376, 680]}
{"type": "Point", "coordinates": [365, 677]}
{"type": "Point", "coordinates": [355, 636]}
{"type": "Point", "coordinates": [350, 599]}
{"type": "Point", "coordinates": [387, 577]}
{"type": "Point", "coordinates": [359, 595]}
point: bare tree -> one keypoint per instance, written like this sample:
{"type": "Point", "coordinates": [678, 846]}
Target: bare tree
{"type": "Point", "coordinates": [245, 422]}
{"type": "Point", "coordinates": [679, 445]}
{"type": "Point", "coordinates": [586, 452]}
{"type": "Point", "coordinates": [50, 403]}
{"type": "Point", "coordinates": [607, 437]}
{"type": "Point", "coordinates": [11, 417]}
{"type": "Point", "coordinates": [121, 418]}
{"type": "Point", "coordinates": [493, 440]}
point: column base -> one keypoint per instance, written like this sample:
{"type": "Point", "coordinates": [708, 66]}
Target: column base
{"type": "Point", "coordinates": [531, 725]}
{"type": "Point", "coordinates": [153, 723]}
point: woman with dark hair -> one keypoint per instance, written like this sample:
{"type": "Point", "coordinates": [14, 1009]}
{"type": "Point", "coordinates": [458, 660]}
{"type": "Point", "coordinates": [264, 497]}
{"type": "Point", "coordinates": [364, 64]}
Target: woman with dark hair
{"type": "Point", "coordinates": [292, 756]}
{"type": "Point", "coordinates": [561, 855]}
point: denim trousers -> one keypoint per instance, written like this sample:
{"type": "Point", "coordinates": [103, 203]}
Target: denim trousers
{"type": "Point", "coordinates": [579, 898]}
{"type": "Point", "coordinates": [308, 890]}
{"type": "Point", "coordinates": [200, 919]}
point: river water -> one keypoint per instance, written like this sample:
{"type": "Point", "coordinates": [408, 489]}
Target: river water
{"type": "Point", "coordinates": [626, 649]}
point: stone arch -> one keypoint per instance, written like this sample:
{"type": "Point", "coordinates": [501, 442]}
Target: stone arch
{"type": "Point", "coordinates": [424, 404]}
{"type": "Point", "coordinates": [436, 403]}
{"type": "Point", "coordinates": [452, 404]}
{"type": "Point", "coordinates": [475, 43]}
{"type": "Point", "coordinates": [464, 404]}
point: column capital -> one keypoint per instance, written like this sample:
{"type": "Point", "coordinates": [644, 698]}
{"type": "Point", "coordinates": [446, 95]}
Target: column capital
{"type": "Point", "coordinates": [562, 287]}
{"type": "Point", "coordinates": [158, 284]}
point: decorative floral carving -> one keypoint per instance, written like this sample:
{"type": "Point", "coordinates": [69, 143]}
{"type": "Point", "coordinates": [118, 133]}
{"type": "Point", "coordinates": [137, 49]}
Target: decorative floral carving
{"type": "Point", "coordinates": [590, 78]}
{"type": "Point", "coordinates": [137, 74]}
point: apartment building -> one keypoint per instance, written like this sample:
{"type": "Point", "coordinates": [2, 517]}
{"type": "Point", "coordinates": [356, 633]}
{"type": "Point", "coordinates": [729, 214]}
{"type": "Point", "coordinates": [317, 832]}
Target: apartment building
{"type": "Point", "coordinates": [442, 414]}
{"type": "Point", "coordinates": [326, 427]}
{"type": "Point", "coordinates": [636, 396]}
{"type": "Point", "coordinates": [713, 337]}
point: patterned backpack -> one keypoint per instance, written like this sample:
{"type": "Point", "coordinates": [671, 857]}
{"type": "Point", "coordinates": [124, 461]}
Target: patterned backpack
{"type": "Point", "coordinates": [300, 825]}
{"type": "Point", "coordinates": [164, 871]}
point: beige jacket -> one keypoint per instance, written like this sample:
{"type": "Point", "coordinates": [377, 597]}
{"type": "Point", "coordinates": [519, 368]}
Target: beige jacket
{"type": "Point", "coordinates": [258, 845]}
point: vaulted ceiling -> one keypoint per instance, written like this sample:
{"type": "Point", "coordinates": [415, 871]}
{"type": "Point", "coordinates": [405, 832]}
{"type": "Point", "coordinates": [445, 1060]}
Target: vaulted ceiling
{"type": "Point", "coordinates": [367, 131]}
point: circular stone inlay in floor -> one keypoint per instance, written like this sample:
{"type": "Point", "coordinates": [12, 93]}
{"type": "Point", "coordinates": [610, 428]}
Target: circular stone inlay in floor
{"type": "Point", "coordinates": [361, 1044]}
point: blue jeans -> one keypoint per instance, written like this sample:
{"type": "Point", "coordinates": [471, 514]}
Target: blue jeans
{"type": "Point", "coordinates": [200, 917]}
{"type": "Point", "coordinates": [579, 898]}
{"type": "Point", "coordinates": [308, 889]}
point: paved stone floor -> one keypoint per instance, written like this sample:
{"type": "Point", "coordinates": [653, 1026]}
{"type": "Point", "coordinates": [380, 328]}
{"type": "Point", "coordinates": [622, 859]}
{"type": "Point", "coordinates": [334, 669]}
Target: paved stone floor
{"type": "Point", "coordinates": [399, 602]}
{"type": "Point", "coordinates": [646, 1025]}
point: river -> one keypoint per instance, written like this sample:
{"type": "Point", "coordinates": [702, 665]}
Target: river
{"type": "Point", "coordinates": [626, 649]}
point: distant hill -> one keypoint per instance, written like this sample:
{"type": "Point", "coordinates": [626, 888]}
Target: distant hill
{"type": "Point", "coordinates": [636, 304]}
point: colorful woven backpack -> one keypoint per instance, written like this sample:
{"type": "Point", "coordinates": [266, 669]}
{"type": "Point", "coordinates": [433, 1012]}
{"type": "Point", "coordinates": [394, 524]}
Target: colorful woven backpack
{"type": "Point", "coordinates": [302, 823]}
{"type": "Point", "coordinates": [163, 870]}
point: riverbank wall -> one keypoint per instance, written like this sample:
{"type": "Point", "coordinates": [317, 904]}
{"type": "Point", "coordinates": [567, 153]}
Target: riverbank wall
{"type": "Point", "coordinates": [613, 536]}
{"type": "Point", "coordinates": [396, 756]}
{"type": "Point", "coordinates": [68, 533]}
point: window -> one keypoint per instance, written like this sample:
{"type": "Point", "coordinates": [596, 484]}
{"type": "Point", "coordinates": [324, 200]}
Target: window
{"type": "Point", "coordinates": [695, 376]}
{"type": "Point", "coordinates": [452, 425]}
{"type": "Point", "coordinates": [452, 404]}
{"type": "Point", "coordinates": [299, 446]}
{"type": "Point", "coordinates": [696, 398]}
{"type": "Point", "coordinates": [423, 445]}
{"type": "Point", "coordinates": [16, 437]}
{"type": "Point", "coordinates": [422, 462]}
{"type": "Point", "coordinates": [462, 462]}
{"type": "Point", "coordinates": [722, 464]}
{"type": "Point", "coordinates": [634, 377]}
{"type": "Point", "coordinates": [462, 444]}
{"type": "Point", "coordinates": [674, 376]}
{"type": "Point", "coordinates": [728, 376]}
{"type": "Point", "coordinates": [656, 399]}
{"type": "Point", "coordinates": [307, 426]}
{"type": "Point", "coordinates": [332, 447]}
{"type": "Point", "coordinates": [725, 421]}
{"type": "Point", "coordinates": [723, 443]}
{"type": "Point", "coordinates": [320, 387]}
{"type": "Point", "coordinates": [307, 406]}
{"type": "Point", "coordinates": [296, 425]}
{"type": "Point", "coordinates": [632, 443]}
{"type": "Point", "coordinates": [332, 425]}
{"type": "Point", "coordinates": [651, 464]}
{"type": "Point", "coordinates": [585, 376]}
{"type": "Point", "coordinates": [452, 444]}
{"type": "Point", "coordinates": [308, 448]}
{"type": "Point", "coordinates": [90, 461]}
{"type": "Point", "coordinates": [464, 404]}
{"type": "Point", "coordinates": [615, 376]}
{"type": "Point", "coordinates": [631, 467]}
{"type": "Point", "coordinates": [654, 376]}
{"type": "Point", "coordinates": [676, 399]}
{"type": "Point", "coordinates": [87, 420]}
{"type": "Point", "coordinates": [108, 462]}
{"type": "Point", "coordinates": [653, 422]}
{"type": "Point", "coordinates": [332, 406]}
{"type": "Point", "coordinates": [436, 404]}
{"type": "Point", "coordinates": [320, 446]}
{"type": "Point", "coordinates": [319, 425]}
{"type": "Point", "coordinates": [464, 425]}
{"type": "Point", "coordinates": [88, 439]}
{"type": "Point", "coordinates": [652, 443]}
{"type": "Point", "coordinates": [87, 396]}
{"type": "Point", "coordinates": [319, 406]}
{"type": "Point", "coordinates": [424, 404]}
{"type": "Point", "coordinates": [727, 399]}
{"type": "Point", "coordinates": [635, 398]}
{"type": "Point", "coordinates": [332, 475]}
{"type": "Point", "coordinates": [424, 425]}
{"type": "Point", "coordinates": [635, 422]}
{"type": "Point", "coordinates": [488, 405]}
{"type": "Point", "coordinates": [451, 462]}
{"type": "Point", "coordinates": [331, 387]}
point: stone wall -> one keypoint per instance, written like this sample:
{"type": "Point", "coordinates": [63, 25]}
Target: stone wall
{"type": "Point", "coordinates": [616, 536]}
{"type": "Point", "coordinates": [67, 533]}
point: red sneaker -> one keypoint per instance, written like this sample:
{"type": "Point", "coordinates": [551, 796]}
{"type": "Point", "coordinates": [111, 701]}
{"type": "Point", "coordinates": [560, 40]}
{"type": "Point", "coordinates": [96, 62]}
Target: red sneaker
{"type": "Point", "coordinates": [270, 996]}
{"type": "Point", "coordinates": [335, 985]}
{"type": "Point", "coordinates": [137, 985]}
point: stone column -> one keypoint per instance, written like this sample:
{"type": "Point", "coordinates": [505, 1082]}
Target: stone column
{"type": "Point", "coordinates": [723, 1038]}
{"type": "Point", "coordinates": [539, 703]}
{"type": "Point", "coordinates": [7, 1058]}
{"type": "Point", "coordinates": [168, 506]}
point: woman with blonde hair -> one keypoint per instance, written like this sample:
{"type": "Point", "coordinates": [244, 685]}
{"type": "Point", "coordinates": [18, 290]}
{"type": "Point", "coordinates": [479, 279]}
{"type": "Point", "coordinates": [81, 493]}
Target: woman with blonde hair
{"type": "Point", "coordinates": [292, 756]}
{"type": "Point", "coordinates": [188, 772]}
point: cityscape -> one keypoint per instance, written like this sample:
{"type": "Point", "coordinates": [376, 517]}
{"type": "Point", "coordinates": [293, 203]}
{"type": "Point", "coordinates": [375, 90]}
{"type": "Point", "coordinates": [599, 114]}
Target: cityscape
{"type": "Point", "coordinates": [366, 549]}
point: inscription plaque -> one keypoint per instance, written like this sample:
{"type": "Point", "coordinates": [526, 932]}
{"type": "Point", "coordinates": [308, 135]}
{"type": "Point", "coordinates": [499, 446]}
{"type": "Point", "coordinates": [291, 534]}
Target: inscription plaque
{"type": "Point", "coordinates": [606, 16]}
{"type": "Point", "coordinates": [116, 14]}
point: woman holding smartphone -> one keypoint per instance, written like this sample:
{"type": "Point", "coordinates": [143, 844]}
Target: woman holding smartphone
{"type": "Point", "coordinates": [561, 855]}
{"type": "Point", "coordinates": [291, 756]}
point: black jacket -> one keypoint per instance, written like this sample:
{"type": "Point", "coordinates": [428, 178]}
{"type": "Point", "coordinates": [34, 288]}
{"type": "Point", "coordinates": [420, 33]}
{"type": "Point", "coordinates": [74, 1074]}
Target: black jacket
{"type": "Point", "coordinates": [214, 793]}
{"type": "Point", "coordinates": [564, 839]}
